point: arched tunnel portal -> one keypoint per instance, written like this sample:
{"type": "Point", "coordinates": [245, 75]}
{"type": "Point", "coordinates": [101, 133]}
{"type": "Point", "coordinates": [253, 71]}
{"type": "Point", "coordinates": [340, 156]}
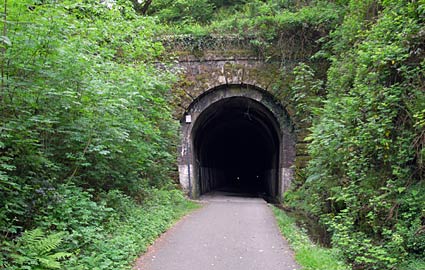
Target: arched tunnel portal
{"type": "Point", "coordinates": [236, 139]}
{"type": "Point", "coordinates": [236, 148]}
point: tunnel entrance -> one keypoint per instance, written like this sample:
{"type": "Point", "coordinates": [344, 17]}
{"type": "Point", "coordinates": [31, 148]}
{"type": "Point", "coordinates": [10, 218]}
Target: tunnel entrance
{"type": "Point", "coordinates": [238, 139]}
{"type": "Point", "coordinates": [236, 146]}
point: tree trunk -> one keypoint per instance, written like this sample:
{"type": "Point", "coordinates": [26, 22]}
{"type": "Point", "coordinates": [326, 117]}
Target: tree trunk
{"type": "Point", "coordinates": [141, 8]}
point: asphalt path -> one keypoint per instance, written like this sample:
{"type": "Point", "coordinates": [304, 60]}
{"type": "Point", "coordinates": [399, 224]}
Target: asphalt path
{"type": "Point", "coordinates": [226, 233]}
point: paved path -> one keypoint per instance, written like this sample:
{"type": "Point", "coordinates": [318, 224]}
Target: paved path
{"type": "Point", "coordinates": [228, 233]}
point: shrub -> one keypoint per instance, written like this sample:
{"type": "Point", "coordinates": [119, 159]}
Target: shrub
{"type": "Point", "coordinates": [35, 250]}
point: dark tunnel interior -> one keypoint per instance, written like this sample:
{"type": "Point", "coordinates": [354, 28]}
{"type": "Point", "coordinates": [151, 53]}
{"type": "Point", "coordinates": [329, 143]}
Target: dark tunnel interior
{"type": "Point", "coordinates": [237, 148]}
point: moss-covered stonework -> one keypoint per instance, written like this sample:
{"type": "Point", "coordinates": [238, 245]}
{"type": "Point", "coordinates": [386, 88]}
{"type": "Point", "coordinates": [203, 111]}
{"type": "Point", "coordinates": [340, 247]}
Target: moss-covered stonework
{"type": "Point", "coordinates": [210, 65]}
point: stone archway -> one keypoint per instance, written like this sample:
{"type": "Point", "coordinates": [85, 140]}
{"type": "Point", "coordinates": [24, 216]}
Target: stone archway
{"type": "Point", "coordinates": [239, 138]}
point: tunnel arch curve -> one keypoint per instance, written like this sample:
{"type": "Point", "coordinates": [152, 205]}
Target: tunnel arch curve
{"type": "Point", "coordinates": [236, 137]}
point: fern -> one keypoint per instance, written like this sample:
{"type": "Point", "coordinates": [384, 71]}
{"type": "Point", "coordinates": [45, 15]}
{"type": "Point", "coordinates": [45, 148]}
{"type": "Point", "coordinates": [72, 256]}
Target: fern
{"type": "Point", "coordinates": [29, 238]}
{"type": "Point", "coordinates": [37, 251]}
{"type": "Point", "coordinates": [46, 245]}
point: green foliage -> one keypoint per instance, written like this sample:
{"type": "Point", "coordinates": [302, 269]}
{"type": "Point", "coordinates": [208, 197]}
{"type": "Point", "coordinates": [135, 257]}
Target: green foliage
{"type": "Point", "coordinates": [130, 229]}
{"type": "Point", "coordinates": [78, 105]}
{"type": "Point", "coordinates": [183, 11]}
{"type": "Point", "coordinates": [84, 119]}
{"type": "Point", "coordinates": [271, 24]}
{"type": "Point", "coordinates": [73, 210]}
{"type": "Point", "coordinates": [414, 264]}
{"type": "Point", "coordinates": [304, 94]}
{"type": "Point", "coordinates": [308, 255]}
{"type": "Point", "coordinates": [264, 24]}
{"type": "Point", "coordinates": [35, 250]}
{"type": "Point", "coordinates": [105, 234]}
{"type": "Point", "coordinates": [365, 177]}
{"type": "Point", "coordinates": [87, 137]}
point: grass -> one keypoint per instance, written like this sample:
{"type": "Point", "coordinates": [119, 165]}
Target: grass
{"type": "Point", "coordinates": [307, 254]}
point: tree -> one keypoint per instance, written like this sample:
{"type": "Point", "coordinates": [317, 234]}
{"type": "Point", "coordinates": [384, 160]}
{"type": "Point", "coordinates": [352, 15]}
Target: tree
{"type": "Point", "coordinates": [141, 6]}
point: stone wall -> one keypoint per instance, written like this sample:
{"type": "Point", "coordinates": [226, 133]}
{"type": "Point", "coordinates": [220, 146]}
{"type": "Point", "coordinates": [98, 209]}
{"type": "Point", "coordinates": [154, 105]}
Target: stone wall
{"type": "Point", "coordinates": [199, 75]}
{"type": "Point", "coordinates": [236, 64]}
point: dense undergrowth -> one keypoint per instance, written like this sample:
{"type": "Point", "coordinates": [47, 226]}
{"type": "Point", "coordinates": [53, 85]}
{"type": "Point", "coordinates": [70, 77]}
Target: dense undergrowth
{"type": "Point", "coordinates": [87, 139]}
{"type": "Point", "coordinates": [78, 232]}
{"type": "Point", "coordinates": [365, 179]}
{"type": "Point", "coordinates": [308, 254]}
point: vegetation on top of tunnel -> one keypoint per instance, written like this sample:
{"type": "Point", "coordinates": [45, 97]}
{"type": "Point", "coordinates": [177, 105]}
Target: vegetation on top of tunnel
{"type": "Point", "coordinates": [271, 28]}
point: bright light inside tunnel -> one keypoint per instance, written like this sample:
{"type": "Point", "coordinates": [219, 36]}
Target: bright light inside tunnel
{"type": "Point", "coordinates": [236, 148]}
